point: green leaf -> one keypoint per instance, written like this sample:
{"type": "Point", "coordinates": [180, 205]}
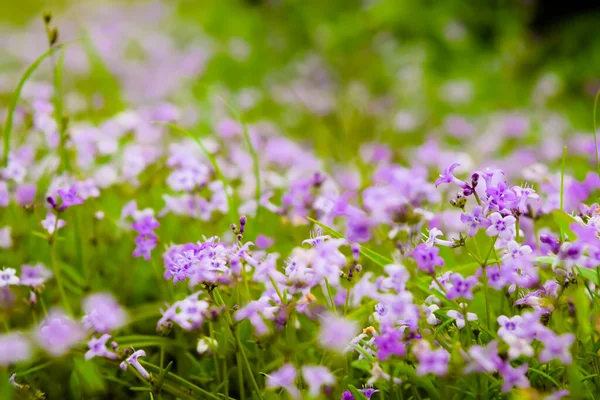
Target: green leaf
{"type": "Point", "coordinates": [590, 274]}
{"type": "Point", "coordinates": [564, 220]}
{"type": "Point", "coordinates": [361, 364]}
{"type": "Point", "coordinates": [582, 311]}
{"type": "Point", "coordinates": [358, 395]}
{"type": "Point", "coordinates": [545, 259]}
{"type": "Point", "coordinates": [8, 124]}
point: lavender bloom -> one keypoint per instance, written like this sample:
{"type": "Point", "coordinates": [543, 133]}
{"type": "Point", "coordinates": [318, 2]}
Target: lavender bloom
{"type": "Point", "coordinates": [503, 227]}
{"type": "Point", "coordinates": [8, 277]}
{"type": "Point", "coordinates": [50, 223]}
{"type": "Point", "coordinates": [316, 377]}
{"type": "Point", "coordinates": [427, 258]}
{"type": "Point", "coordinates": [483, 359]}
{"type": "Point", "coordinates": [97, 348]}
{"type": "Point", "coordinates": [336, 332]}
{"type": "Point", "coordinates": [14, 348]}
{"type": "Point", "coordinates": [433, 239]}
{"type": "Point", "coordinates": [144, 246]}
{"type": "Point", "coordinates": [433, 362]}
{"type": "Point", "coordinates": [264, 242]}
{"type": "Point", "coordinates": [390, 343]}
{"type": "Point", "coordinates": [461, 287]}
{"type": "Point", "coordinates": [69, 198]}
{"type": "Point", "coordinates": [4, 194]}
{"type": "Point", "coordinates": [145, 226]}
{"type": "Point", "coordinates": [284, 378]}
{"type": "Point", "coordinates": [517, 346]}
{"type": "Point", "coordinates": [34, 275]}
{"type": "Point", "coordinates": [25, 194]}
{"type": "Point", "coordinates": [496, 278]}
{"type": "Point", "coordinates": [475, 221]}
{"type": "Point", "coordinates": [347, 395]}
{"type": "Point", "coordinates": [514, 376]}
{"type": "Point", "coordinates": [134, 362]}
{"type": "Point", "coordinates": [57, 333]}
{"type": "Point", "coordinates": [103, 313]}
{"type": "Point", "coordinates": [509, 326]}
{"type": "Point", "coordinates": [447, 177]}
{"type": "Point", "coordinates": [556, 347]}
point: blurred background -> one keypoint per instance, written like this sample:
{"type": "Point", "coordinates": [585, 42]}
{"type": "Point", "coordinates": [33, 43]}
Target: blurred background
{"type": "Point", "coordinates": [330, 73]}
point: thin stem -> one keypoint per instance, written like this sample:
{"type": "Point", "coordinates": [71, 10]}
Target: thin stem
{"type": "Point", "coordinates": [56, 270]}
{"type": "Point", "coordinates": [330, 295]}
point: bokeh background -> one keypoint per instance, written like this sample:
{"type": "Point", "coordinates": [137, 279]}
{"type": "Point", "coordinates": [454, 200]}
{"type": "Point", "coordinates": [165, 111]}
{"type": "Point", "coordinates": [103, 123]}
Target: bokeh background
{"type": "Point", "coordinates": [334, 72]}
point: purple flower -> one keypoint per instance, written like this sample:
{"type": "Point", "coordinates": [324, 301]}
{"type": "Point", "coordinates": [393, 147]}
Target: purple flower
{"type": "Point", "coordinates": [509, 326]}
{"type": "Point", "coordinates": [556, 347]}
{"type": "Point", "coordinates": [14, 348]}
{"type": "Point", "coordinates": [461, 287]}
{"type": "Point", "coordinates": [483, 359]}
{"type": "Point", "coordinates": [427, 258]}
{"type": "Point", "coordinates": [57, 333]}
{"type": "Point", "coordinates": [433, 362]}
{"type": "Point", "coordinates": [135, 363]}
{"type": "Point", "coordinates": [514, 376]}
{"type": "Point", "coordinates": [264, 242]}
{"type": "Point", "coordinates": [447, 177]}
{"type": "Point", "coordinates": [390, 343]}
{"type": "Point", "coordinates": [347, 395]}
{"type": "Point", "coordinates": [336, 332]}
{"type": "Point", "coordinates": [496, 278]}
{"type": "Point", "coordinates": [34, 275]}
{"type": "Point", "coordinates": [69, 198]}
{"type": "Point", "coordinates": [144, 246]}
{"type": "Point", "coordinates": [475, 221]}
{"type": "Point", "coordinates": [358, 228]}
{"type": "Point", "coordinates": [103, 313]}
{"type": "Point", "coordinates": [97, 348]}
{"type": "Point", "coordinates": [316, 377]}
{"type": "Point", "coordinates": [503, 227]}
{"type": "Point", "coordinates": [284, 378]}
{"type": "Point", "coordinates": [50, 223]}
{"type": "Point", "coordinates": [146, 225]}
{"type": "Point", "coordinates": [25, 194]}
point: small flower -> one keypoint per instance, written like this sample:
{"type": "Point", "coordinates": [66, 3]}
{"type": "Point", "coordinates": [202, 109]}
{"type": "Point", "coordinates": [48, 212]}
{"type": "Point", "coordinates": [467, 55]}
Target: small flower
{"type": "Point", "coordinates": [433, 362]}
{"type": "Point", "coordinates": [517, 347]}
{"type": "Point", "coordinates": [8, 277]}
{"type": "Point", "coordinates": [206, 344]}
{"type": "Point", "coordinates": [461, 287]}
{"type": "Point", "coordinates": [390, 343]}
{"type": "Point", "coordinates": [433, 239]}
{"type": "Point", "coordinates": [57, 333]}
{"type": "Point", "coordinates": [427, 258]}
{"type": "Point", "coordinates": [460, 318]}
{"type": "Point", "coordinates": [134, 362]}
{"type": "Point", "coordinates": [447, 177]}
{"type": "Point", "coordinates": [284, 378]}
{"type": "Point", "coordinates": [475, 220]}
{"type": "Point", "coordinates": [509, 326]}
{"type": "Point", "coordinates": [14, 348]}
{"type": "Point", "coordinates": [69, 198]}
{"type": "Point", "coordinates": [103, 313]}
{"type": "Point", "coordinates": [514, 376]}
{"type": "Point", "coordinates": [316, 377]}
{"type": "Point", "coordinates": [483, 359]}
{"type": "Point", "coordinates": [97, 348]}
{"type": "Point", "coordinates": [556, 347]}
{"type": "Point", "coordinates": [336, 332]}
{"type": "Point", "coordinates": [34, 275]}
{"type": "Point", "coordinates": [50, 223]}
{"type": "Point", "coordinates": [5, 238]}
{"type": "Point", "coordinates": [501, 226]}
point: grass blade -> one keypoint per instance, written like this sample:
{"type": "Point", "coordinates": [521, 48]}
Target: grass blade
{"type": "Point", "coordinates": [8, 124]}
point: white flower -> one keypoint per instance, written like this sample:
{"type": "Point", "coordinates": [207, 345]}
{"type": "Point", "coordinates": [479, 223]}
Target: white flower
{"type": "Point", "coordinates": [206, 344]}
{"type": "Point", "coordinates": [8, 276]}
